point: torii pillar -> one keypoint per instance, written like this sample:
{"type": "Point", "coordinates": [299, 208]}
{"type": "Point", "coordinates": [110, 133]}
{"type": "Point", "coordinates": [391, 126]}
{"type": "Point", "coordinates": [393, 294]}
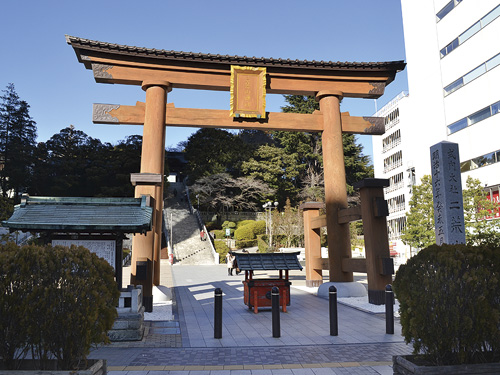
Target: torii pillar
{"type": "Point", "coordinates": [339, 242]}
{"type": "Point", "coordinates": [146, 248]}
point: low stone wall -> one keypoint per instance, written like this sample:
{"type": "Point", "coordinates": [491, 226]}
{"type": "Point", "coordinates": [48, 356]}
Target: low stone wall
{"type": "Point", "coordinates": [129, 326]}
{"type": "Point", "coordinates": [233, 216]}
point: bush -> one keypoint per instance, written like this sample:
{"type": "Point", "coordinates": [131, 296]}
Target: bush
{"type": "Point", "coordinates": [57, 302]}
{"type": "Point", "coordinates": [260, 227]}
{"type": "Point", "coordinates": [450, 303]}
{"type": "Point", "coordinates": [242, 223]}
{"type": "Point", "coordinates": [228, 224]}
{"type": "Point", "coordinates": [245, 233]}
{"type": "Point", "coordinates": [219, 234]}
{"type": "Point", "coordinates": [263, 243]}
{"type": "Point", "coordinates": [222, 249]}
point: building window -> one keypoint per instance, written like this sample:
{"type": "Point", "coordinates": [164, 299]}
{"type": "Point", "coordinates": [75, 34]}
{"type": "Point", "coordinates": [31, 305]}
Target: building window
{"type": "Point", "coordinates": [447, 9]}
{"type": "Point", "coordinates": [473, 74]}
{"type": "Point", "coordinates": [395, 182]}
{"type": "Point", "coordinates": [391, 119]}
{"type": "Point", "coordinates": [391, 141]}
{"type": "Point", "coordinates": [467, 34]}
{"type": "Point", "coordinates": [481, 161]}
{"type": "Point", "coordinates": [393, 161]}
{"type": "Point", "coordinates": [395, 227]}
{"type": "Point", "coordinates": [474, 118]}
{"type": "Point", "coordinates": [396, 204]}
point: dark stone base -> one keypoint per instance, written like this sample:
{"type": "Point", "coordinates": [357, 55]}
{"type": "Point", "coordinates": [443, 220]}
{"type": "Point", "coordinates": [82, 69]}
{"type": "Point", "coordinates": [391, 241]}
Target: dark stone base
{"type": "Point", "coordinates": [313, 283]}
{"type": "Point", "coordinates": [147, 302]}
{"type": "Point", "coordinates": [376, 297]}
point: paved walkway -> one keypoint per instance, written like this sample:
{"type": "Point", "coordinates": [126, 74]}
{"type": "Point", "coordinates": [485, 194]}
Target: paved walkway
{"type": "Point", "coordinates": [186, 345]}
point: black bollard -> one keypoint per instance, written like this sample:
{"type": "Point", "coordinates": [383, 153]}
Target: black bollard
{"type": "Point", "coordinates": [218, 314]}
{"type": "Point", "coordinates": [389, 310]}
{"type": "Point", "coordinates": [275, 304]}
{"type": "Point", "coordinates": [334, 324]}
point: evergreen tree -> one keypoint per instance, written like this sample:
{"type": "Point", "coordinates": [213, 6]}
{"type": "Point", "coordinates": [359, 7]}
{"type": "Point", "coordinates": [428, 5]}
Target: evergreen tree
{"type": "Point", "coordinates": [479, 229]}
{"type": "Point", "coordinates": [309, 152]}
{"type": "Point", "coordinates": [17, 143]}
{"type": "Point", "coordinates": [419, 230]}
{"type": "Point", "coordinates": [212, 151]}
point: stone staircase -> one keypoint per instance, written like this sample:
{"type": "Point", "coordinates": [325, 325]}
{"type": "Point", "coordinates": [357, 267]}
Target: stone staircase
{"type": "Point", "coordinates": [187, 246]}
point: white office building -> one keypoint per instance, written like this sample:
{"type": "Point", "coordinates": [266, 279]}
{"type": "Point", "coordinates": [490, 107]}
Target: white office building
{"type": "Point", "coordinates": [453, 58]}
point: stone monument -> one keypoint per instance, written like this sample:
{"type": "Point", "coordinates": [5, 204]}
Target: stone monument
{"type": "Point", "coordinates": [447, 193]}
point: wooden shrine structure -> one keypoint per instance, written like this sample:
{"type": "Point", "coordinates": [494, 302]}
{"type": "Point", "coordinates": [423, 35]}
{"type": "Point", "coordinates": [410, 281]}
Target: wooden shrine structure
{"type": "Point", "coordinates": [248, 79]}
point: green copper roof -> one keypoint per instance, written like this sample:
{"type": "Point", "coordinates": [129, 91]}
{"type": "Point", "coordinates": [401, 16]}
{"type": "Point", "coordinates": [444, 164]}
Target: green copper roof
{"type": "Point", "coordinates": [127, 215]}
{"type": "Point", "coordinates": [268, 261]}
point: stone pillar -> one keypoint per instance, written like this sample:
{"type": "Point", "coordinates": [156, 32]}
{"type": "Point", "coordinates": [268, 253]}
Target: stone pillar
{"type": "Point", "coordinates": [312, 241]}
{"type": "Point", "coordinates": [447, 193]}
{"type": "Point", "coordinates": [152, 161]}
{"type": "Point", "coordinates": [339, 242]}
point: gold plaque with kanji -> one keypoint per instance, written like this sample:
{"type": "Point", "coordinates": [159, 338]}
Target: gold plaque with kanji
{"type": "Point", "coordinates": [248, 92]}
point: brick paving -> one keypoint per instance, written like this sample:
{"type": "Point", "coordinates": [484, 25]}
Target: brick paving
{"type": "Point", "coordinates": [186, 346]}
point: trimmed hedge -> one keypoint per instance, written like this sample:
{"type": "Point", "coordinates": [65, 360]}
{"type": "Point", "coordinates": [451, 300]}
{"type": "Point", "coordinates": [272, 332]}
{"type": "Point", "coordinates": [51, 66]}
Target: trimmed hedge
{"type": "Point", "coordinates": [450, 303]}
{"type": "Point", "coordinates": [222, 249]}
{"type": "Point", "coordinates": [55, 302]}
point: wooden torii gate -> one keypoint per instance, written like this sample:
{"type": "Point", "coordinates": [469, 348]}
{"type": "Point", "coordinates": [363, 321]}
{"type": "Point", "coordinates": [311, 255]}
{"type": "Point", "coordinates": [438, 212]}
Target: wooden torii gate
{"type": "Point", "coordinates": [160, 71]}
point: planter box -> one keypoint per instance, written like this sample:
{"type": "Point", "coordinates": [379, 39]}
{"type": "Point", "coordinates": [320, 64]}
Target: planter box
{"type": "Point", "coordinates": [403, 365]}
{"type": "Point", "coordinates": [95, 367]}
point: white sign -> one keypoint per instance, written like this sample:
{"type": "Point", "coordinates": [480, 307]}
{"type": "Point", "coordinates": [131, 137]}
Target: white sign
{"type": "Point", "coordinates": [102, 248]}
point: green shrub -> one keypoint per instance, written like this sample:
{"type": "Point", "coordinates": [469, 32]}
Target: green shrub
{"type": "Point", "coordinates": [228, 224]}
{"type": "Point", "coordinates": [219, 234]}
{"type": "Point", "coordinates": [60, 300]}
{"type": "Point", "coordinates": [242, 223]}
{"type": "Point", "coordinates": [450, 303]}
{"type": "Point", "coordinates": [222, 249]}
{"type": "Point", "coordinates": [260, 227]}
{"type": "Point", "coordinates": [241, 244]}
{"type": "Point", "coordinates": [245, 233]}
{"type": "Point", "coordinates": [262, 243]}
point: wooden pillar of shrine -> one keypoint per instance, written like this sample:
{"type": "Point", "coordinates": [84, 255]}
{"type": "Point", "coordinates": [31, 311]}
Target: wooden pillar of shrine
{"type": "Point", "coordinates": [146, 248]}
{"type": "Point", "coordinates": [339, 243]}
{"type": "Point", "coordinates": [312, 242]}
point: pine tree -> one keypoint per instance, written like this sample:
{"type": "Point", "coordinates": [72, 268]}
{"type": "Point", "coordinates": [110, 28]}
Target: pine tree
{"type": "Point", "coordinates": [307, 146]}
{"type": "Point", "coordinates": [17, 143]}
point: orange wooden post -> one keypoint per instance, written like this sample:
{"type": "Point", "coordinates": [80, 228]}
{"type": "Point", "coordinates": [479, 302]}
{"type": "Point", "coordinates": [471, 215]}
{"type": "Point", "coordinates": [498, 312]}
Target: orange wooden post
{"type": "Point", "coordinates": [312, 240]}
{"type": "Point", "coordinates": [255, 303]}
{"type": "Point", "coordinates": [152, 161]}
{"type": "Point", "coordinates": [283, 300]}
{"type": "Point", "coordinates": [339, 242]}
{"type": "Point", "coordinates": [379, 264]}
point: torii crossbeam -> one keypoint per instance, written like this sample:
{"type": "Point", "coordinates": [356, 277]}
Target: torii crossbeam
{"type": "Point", "coordinates": [159, 71]}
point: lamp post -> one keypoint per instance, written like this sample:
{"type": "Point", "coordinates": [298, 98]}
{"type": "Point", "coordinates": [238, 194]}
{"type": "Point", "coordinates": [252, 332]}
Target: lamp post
{"type": "Point", "coordinates": [198, 198]}
{"type": "Point", "coordinates": [269, 218]}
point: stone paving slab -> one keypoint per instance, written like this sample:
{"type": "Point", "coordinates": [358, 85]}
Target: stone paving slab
{"type": "Point", "coordinates": [247, 346]}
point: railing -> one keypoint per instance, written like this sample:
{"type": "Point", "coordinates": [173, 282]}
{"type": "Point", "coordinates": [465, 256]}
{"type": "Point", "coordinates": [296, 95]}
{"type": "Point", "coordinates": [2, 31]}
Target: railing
{"type": "Point", "coordinates": [201, 225]}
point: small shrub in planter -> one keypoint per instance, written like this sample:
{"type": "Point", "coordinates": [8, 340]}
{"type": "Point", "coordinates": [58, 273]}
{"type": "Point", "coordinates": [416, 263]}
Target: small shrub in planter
{"type": "Point", "coordinates": [64, 298]}
{"type": "Point", "coordinates": [450, 304]}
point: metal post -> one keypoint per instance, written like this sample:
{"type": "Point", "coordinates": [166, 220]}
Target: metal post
{"type": "Point", "coordinates": [334, 326]}
{"type": "Point", "coordinates": [275, 303]}
{"type": "Point", "coordinates": [218, 314]}
{"type": "Point", "coordinates": [389, 310]}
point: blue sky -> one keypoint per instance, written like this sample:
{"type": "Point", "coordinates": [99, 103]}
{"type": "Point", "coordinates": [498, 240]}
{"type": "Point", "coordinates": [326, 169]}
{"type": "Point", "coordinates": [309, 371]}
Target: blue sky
{"type": "Point", "coordinates": [60, 91]}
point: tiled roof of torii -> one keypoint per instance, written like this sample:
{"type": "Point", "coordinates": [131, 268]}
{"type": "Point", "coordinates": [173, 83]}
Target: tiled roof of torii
{"type": "Point", "coordinates": [86, 44]}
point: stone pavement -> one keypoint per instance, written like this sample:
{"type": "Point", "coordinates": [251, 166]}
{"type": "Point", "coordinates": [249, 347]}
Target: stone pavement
{"type": "Point", "coordinates": [186, 345]}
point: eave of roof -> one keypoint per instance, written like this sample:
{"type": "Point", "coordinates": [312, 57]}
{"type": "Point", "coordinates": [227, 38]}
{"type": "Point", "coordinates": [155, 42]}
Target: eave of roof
{"type": "Point", "coordinates": [126, 215]}
{"type": "Point", "coordinates": [81, 44]}
{"type": "Point", "coordinates": [268, 261]}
